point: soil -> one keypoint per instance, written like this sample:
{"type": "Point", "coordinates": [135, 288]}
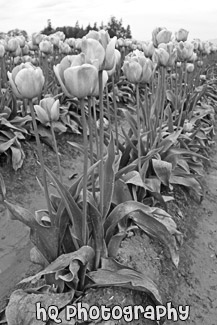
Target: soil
{"type": "Point", "coordinates": [194, 283]}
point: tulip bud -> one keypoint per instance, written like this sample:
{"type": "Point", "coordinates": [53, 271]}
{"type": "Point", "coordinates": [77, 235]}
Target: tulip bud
{"type": "Point", "coordinates": [2, 51]}
{"type": "Point", "coordinates": [200, 63]}
{"type": "Point", "coordinates": [25, 49]}
{"type": "Point", "coordinates": [46, 47]}
{"type": "Point", "coordinates": [181, 35]}
{"type": "Point", "coordinates": [26, 81]}
{"type": "Point", "coordinates": [12, 44]}
{"type": "Point", "coordinates": [81, 81]}
{"type": "Point", "coordinates": [48, 110]}
{"type": "Point", "coordinates": [21, 40]}
{"type": "Point", "coordinates": [203, 77]}
{"type": "Point", "coordinates": [37, 38]}
{"type": "Point", "coordinates": [132, 70]}
{"type": "Point", "coordinates": [161, 57]}
{"type": "Point", "coordinates": [161, 35]}
{"type": "Point", "coordinates": [190, 67]}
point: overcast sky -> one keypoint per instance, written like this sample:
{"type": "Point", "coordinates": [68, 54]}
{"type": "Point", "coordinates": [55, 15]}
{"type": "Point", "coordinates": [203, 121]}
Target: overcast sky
{"type": "Point", "coordinates": [197, 16]}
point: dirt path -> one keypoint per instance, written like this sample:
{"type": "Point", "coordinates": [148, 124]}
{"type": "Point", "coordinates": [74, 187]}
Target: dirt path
{"type": "Point", "coordinates": [198, 283]}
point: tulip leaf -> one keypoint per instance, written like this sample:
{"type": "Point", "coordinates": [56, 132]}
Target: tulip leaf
{"type": "Point", "coordinates": [127, 278]}
{"type": "Point", "coordinates": [43, 237]}
{"type": "Point", "coordinates": [71, 206]}
{"type": "Point", "coordinates": [147, 219]}
{"type": "Point", "coordinates": [109, 176]}
{"type": "Point", "coordinates": [21, 309]}
{"type": "Point", "coordinates": [18, 157]}
{"type": "Point", "coordinates": [74, 261]}
{"type": "Point", "coordinates": [163, 170]}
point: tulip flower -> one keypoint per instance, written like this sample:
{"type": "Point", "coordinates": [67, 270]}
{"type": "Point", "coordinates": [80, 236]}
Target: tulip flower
{"type": "Point", "coordinates": [26, 80]}
{"type": "Point", "coordinates": [2, 51]}
{"type": "Point", "coordinates": [161, 35]}
{"type": "Point", "coordinates": [48, 110]}
{"type": "Point", "coordinates": [37, 38]}
{"type": "Point", "coordinates": [185, 50]}
{"type": "Point", "coordinates": [99, 46]}
{"type": "Point", "coordinates": [76, 78]}
{"type": "Point", "coordinates": [21, 39]}
{"type": "Point", "coordinates": [189, 67]}
{"type": "Point", "coordinates": [12, 45]}
{"type": "Point", "coordinates": [46, 47]}
{"type": "Point", "coordinates": [181, 35]}
{"type": "Point", "coordinates": [67, 62]}
{"type": "Point", "coordinates": [161, 57]}
{"type": "Point", "coordinates": [133, 71]}
{"type": "Point", "coordinates": [81, 81]}
{"type": "Point", "coordinates": [170, 48]}
{"type": "Point", "coordinates": [64, 48]}
{"type": "Point", "coordinates": [117, 63]}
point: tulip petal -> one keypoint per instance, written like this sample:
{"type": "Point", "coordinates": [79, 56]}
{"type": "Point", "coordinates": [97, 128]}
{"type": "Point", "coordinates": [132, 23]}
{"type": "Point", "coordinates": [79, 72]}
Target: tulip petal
{"type": "Point", "coordinates": [110, 54]}
{"type": "Point", "coordinates": [81, 81]}
{"type": "Point", "coordinates": [41, 114]}
{"type": "Point", "coordinates": [55, 111]}
{"type": "Point", "coordinates": [29, 82]}
{"type": "Point", "coordinates": [93, 50]}
{"type": "Point", "coordinates": [56, 71]}
{"type": "Point", "coordinates": [13, 86]}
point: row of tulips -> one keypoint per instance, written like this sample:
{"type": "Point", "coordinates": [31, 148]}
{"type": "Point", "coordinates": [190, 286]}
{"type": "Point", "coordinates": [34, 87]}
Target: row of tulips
{"type": "Point", "coordinates": [77, 237]}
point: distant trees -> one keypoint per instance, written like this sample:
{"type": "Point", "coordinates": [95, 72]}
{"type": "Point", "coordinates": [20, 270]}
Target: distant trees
{"type": "Point", "coordinates": [114, 26]}
{"type": "Point", "coordinates": [17, 32]}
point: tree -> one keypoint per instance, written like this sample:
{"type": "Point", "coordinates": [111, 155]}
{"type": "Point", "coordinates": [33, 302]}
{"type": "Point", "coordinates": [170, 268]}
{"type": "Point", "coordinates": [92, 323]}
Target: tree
{"type": "Point", "coordinates": [115, 28]}
{"type": "Point", "coordinates": [49, 29]}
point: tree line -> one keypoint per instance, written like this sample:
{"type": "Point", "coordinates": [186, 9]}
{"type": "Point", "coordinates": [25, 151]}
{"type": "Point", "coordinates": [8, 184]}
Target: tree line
{"type": "Point", "coordinates": [114, 27]}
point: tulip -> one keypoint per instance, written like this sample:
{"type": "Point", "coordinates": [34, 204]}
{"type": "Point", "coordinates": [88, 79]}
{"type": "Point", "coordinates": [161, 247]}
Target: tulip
{"type": "Point", "coordinates": [25, 49]}
{"type": "Point", "coordinates": [133, 71]}
{"type": "Point", "coordinates": [2, 51]}
{"type": "Point", "coordinates": [64, 48]}
{"type": "Point", "coordinates": [203, 77]}
{"type": "Point", "coordinates": [71, 42]}
{"type": "Point", "coordinates": [161, 35]}
{"type": "Point", "coordinates": [54, 39]}
{"type": "Point", "coordinates": [46, 47]}
{"type": "Point", "coordinates": [190, 67]}
{"type": "Point", "coordinates": [117, 63]}
{"type": "Point", "coordinates": [185, 50]}
{"type": "Point", "coordinates": [181, 35]}
{"type": "Point", "coordinates": [48, 110]}
{"type": "Point", "coordinates": [26, 80]}
{"type": "Point", "coordinates": [161, 57]}
{"type": "Point", "coordinates": [67, 62]}
{"type": "Point", "coordinates": [21, 40]}
{"type": "Point", "coordinates": [99, 46]}
{"type": "Point", "coordinates": [81, 81]}
{"type": "Point", "coordinates": [199, 64]}
{"type": "Point", "coordinates": [12, 44]}
{"type": "Point", "coordinates": [37, 38]}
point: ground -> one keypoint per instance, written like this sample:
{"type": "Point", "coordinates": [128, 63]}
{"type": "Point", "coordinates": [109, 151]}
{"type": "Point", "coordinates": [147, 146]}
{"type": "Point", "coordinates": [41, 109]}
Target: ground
{"type": "Point", "coordinates": [193, 283]}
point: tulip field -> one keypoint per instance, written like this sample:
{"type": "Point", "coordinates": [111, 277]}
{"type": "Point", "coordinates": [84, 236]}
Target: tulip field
{"type": "Point", "coordinates": [145, 113]}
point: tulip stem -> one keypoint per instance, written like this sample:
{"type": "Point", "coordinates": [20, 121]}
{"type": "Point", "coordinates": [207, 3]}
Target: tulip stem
{"type": "Point", "coordinates": [101, 145]}
{"type": "Point", "coordinates": [184, 95]}
{"type": "Point", "coordinates": [108, 108]}
{"type": "Point", "coordinates": [41, 160]}
{"type": "Point", "coordinates": [95, 126]}
{"type": "Point", "coordinates": [56, 151]}
{"type": "Point", "coordinates": [138, 127]}
{"type": "Point", "coordinates": [115, 111]}
{"type": "Point", "coordinates": [91, 143]}
{"type": "Point", "coordinates": [85, 168]}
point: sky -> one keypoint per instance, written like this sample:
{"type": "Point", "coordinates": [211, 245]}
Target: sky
{"type": "Point", "coordinates": [197, 16]}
